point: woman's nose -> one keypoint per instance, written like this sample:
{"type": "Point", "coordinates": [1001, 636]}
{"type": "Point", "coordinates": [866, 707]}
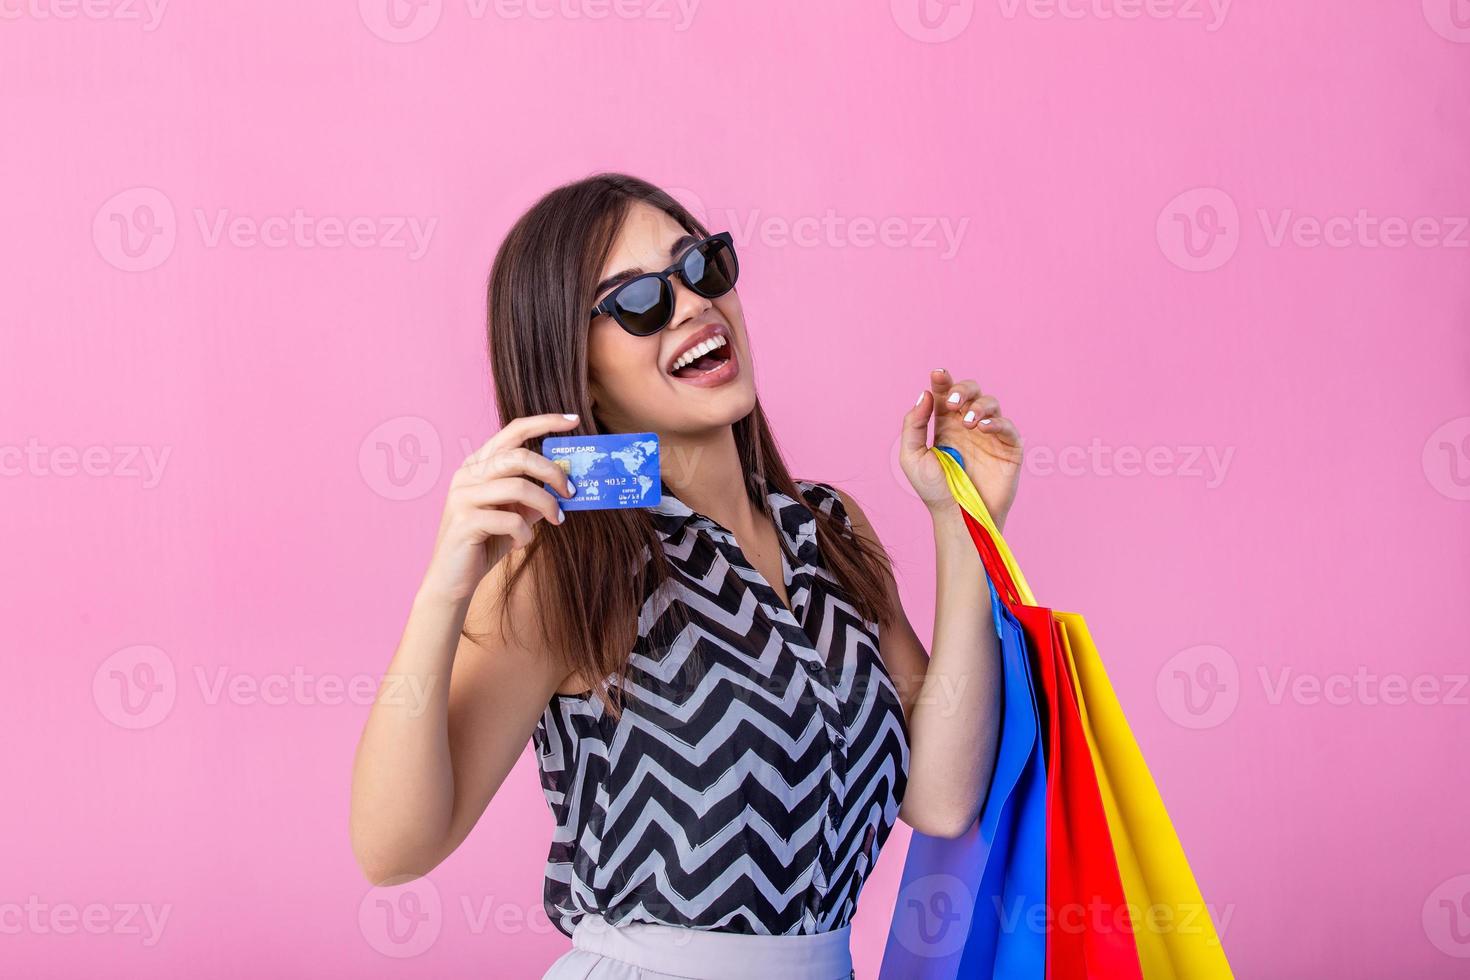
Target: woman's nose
{"type": "Point", "coordinates": [687, 303]}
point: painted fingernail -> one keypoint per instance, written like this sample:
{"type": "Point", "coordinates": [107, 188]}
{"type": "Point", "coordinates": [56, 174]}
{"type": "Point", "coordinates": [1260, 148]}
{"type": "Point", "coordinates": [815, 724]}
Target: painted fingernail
{"type": "Point", "coordinates": [569, 415]}
{"type": "Point", "coordinates": [919, 399]}
{"type": "Point", "coordinates": [985, 421]}
{"type": "Point", "coordinates": [970, 416]}
{"type": "Point", "coordinates": [954, 397]}
{"type": "Point", "coordinates": [559, 515]}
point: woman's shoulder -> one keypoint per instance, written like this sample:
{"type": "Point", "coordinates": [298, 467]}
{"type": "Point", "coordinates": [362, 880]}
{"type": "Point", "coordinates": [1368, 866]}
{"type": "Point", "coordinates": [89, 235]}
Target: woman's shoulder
{"type": "Point", "coordinates": [829, 499]}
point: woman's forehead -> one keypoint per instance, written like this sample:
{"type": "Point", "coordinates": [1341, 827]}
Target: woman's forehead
{"type": "Point", "coordinates": [645, 239]}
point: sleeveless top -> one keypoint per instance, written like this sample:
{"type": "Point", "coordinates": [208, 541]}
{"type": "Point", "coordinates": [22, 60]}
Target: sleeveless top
{"type": "Point", "coordinates": [761, 756]}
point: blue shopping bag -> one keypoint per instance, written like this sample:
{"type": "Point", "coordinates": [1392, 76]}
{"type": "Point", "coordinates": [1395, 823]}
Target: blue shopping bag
{"type": "Point", "coordinates": [968, 907]}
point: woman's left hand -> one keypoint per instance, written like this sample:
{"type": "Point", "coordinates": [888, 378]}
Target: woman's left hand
{"type": "Point", "coordinates": [969, 421]}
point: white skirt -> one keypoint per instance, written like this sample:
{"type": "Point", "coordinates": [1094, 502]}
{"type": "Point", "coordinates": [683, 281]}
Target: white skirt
{"type": "Point", "coordinates": [648, 951]}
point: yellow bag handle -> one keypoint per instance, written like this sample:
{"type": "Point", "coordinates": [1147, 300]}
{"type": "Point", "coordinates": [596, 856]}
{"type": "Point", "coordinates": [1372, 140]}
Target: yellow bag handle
{"type": "Point", "coordinates": [968, 497]}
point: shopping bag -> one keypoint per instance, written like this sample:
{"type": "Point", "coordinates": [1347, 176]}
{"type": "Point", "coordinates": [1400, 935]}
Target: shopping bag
{"type": "Point", "coordinates": [1090, 929]}
{"type": "Point", "coordinates": [964, 904]}
{"type": "Point", "coordinates": [1172, 929]}
{"type": "Point", "coordinates": [1009, 940]}
{"type": "Point", "coordinates": [1175, 931]}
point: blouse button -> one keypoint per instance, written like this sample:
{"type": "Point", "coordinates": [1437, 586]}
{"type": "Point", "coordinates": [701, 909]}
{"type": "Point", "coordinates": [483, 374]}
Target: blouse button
{"type": "Point", "coordinates": [839, 740]}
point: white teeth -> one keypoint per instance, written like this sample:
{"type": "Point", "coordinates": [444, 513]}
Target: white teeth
{"type": "Point", "coordinates": [695, 352]}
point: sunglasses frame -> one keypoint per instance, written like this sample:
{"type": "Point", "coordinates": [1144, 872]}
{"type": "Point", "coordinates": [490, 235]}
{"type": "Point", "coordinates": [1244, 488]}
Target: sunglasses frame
{"type": "Point", "coordinates": [608, 306]}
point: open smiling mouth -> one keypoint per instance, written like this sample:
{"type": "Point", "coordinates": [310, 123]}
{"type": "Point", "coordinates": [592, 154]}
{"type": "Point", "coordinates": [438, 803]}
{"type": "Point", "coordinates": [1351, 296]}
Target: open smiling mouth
{"type": "Point", "coordinates": [703, 359]}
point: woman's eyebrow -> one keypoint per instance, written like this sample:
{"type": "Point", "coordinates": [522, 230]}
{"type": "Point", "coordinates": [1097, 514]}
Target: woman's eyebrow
{"type": "Point", "coordinates": [617, 279]}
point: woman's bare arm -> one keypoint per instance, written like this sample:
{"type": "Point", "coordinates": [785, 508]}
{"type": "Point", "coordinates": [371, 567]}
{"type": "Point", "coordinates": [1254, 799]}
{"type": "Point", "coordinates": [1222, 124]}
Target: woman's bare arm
{"type": "Point", "coordinates": [433, 754]}
{"type": "Point", "coordinates": [452, 716]}
{"type": "Point", "coordinates": [951, 699]}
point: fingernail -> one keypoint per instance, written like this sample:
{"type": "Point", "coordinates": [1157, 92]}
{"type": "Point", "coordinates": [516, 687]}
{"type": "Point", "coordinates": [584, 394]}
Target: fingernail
{"type": "Point", "coordinates": [559, 515]}
{"type": "Point", "coordinates": [571, 489]}
{"type": "Point", "coordinates": [569, 415]}
{"type": "Point", "coordinates": [954, 398]}
{"type": "Point", "coordinates": [985, 421]}
{"type": "Point", "coordinates": [970, 416]}
{"type": "Point", "coordinates": [919, 399]}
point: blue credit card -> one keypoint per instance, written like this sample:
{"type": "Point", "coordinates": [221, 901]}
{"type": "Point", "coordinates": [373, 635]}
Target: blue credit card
{"type": "Point", "coordinates": [613, 471]}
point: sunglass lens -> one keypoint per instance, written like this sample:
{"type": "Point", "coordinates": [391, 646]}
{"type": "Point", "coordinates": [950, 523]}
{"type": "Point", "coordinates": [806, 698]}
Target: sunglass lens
{"type": "Point", "coordinates": [644, 305]}
{"type": "Point", "coordinates": [710, 269]}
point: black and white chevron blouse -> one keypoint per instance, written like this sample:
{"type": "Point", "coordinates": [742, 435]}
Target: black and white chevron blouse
{"type": "Point", "coordinates": [761, 757]}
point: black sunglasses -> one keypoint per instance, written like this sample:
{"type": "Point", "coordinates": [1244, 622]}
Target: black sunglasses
{"type": "Point", "coordinates": [644, 305]}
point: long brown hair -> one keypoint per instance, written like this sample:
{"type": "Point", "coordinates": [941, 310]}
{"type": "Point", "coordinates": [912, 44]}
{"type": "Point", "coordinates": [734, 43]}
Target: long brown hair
{"type": "Point", "coordinates": [590, 573]}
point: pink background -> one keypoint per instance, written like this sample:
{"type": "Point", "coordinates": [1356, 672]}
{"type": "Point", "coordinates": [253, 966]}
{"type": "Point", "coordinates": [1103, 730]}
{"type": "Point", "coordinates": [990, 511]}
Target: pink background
{"type": "Point", "coordinates": [303, 400]}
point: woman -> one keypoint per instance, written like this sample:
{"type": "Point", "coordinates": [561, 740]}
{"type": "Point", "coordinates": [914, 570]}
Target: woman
{"type": "Point", "coordinates": [729, 705]}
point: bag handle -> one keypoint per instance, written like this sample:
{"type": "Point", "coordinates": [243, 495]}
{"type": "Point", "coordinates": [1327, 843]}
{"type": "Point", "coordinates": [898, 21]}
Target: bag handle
{"type": "Point", "coordinates": [969, 500]}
